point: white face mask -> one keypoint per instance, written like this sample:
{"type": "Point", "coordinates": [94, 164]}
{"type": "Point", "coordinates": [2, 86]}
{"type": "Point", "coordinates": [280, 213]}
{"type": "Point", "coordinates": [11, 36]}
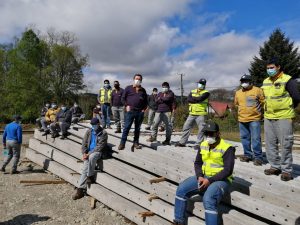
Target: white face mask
{"type": "Point", "coordinates": [211, 140]}
{"type": "Point", "coordinates": [165, 89]}
{"type": "Point", "coordinates": [245, 85]}
{"type": "Point", "coordinates": [137, 82]}
{"type": "Point", "coordinates": [201, 86]}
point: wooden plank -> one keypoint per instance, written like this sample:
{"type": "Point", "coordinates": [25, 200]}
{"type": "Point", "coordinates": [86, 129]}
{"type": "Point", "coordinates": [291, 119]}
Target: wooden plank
{"type": "Point", "coordinates": [42, 182]}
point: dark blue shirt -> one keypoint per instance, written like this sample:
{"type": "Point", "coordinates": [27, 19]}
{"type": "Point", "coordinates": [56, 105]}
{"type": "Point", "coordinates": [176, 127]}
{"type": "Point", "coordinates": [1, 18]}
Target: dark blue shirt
{"type": "Point", "coordinates": [116, 97]}
{"type": "Point", "coordinates": [13, 132]}
{"type": "Point", "coordinates": [137, 99]}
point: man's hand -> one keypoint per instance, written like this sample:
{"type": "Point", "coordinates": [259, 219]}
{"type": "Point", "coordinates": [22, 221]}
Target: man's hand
{"type": "Point", "coordinates": [85, 156]}
{"type": "Point", "coordinates": [203, 183]}
{"type": "Point", "coordinates": [128, 108]}
{"type": "Point", "coordinates": [4, 145]}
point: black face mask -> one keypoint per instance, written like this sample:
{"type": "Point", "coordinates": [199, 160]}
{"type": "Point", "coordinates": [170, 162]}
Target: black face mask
{"type": "Point", "coordinates": [117, 85]}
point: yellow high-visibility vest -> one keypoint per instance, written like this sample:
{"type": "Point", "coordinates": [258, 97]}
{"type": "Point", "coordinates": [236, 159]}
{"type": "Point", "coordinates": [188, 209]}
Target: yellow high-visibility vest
{"type": "Point", "coordinates": [198, 109]}
{"type": "Point", "coordinates": [278, 102]}
{"type": "Point", "coordinates": [102, 95]}
{"type": "Point", "coordinates": [213, 159]}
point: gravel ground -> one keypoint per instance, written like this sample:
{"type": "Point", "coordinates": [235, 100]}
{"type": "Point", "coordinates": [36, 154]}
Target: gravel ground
{"type": "Point", "coordinates": [46, 204]}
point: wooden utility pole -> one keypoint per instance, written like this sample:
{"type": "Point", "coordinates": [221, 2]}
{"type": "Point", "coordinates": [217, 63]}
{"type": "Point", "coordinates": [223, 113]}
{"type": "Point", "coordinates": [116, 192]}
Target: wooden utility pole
{"type": "Point", "coordinates": [181, 87]}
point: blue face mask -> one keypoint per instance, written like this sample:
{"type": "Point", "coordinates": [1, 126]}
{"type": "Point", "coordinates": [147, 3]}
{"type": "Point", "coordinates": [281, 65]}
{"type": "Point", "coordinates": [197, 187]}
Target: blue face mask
{"type": "Point", "coordinates": [106, 85]}
{"type": "Point", "coordinates": [272, 72]}
{"type": "Point", "coordinates": [63, 108]}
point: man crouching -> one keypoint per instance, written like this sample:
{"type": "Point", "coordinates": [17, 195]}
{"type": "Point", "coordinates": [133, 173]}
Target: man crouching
{"type": "Point", "coordinates": [94, 143]}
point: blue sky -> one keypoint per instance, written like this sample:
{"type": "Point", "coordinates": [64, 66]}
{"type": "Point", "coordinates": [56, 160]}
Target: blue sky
{"type": "Point", "coordinates": [212, 39]}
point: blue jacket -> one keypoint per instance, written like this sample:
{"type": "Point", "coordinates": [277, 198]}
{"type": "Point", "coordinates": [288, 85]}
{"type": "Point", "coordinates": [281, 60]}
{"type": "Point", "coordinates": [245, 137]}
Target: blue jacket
{"type": "Point", "coordinates": [13, 131]}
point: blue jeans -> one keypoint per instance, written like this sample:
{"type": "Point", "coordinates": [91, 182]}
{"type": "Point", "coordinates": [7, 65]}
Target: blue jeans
{"type": "Point", "coordinates": [211, 197]}
{"type": "Point", "coordinates": [250, 137]}
{"type": "Point", "coordinates": [106, 115]}
{"type": "Point", "coordinates": [131, 116]}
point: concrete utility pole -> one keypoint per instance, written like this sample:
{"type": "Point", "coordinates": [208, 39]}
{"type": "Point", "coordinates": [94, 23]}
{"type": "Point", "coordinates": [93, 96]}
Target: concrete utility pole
{"type": "Point", "coordinates": [181, 87]}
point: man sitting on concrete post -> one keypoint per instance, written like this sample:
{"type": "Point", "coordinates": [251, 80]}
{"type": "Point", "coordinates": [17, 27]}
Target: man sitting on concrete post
{"type": "Point", "coordinates": [62, 123]}
{"type": "Point", "coordinates": [94, 143]}
{"type": "Point", "coordinates": [49, 118]}
{"type": "Point", "coordinates": [213, 176]}
{"type": "Point", "coordinates": [42, 117]}
{"type": "Point", "coordinates": [77, 113]}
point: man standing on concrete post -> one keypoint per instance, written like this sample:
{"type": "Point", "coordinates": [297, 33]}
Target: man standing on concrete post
{"type": "Point", "coordinates": [165, 101]}
{"type": "Point", "coordinates": [104, 99]}
{"type": "Point", "coordinates": [281, 97]}
{"type": "Point", "coordinates": [135, 100]}
{"type": "Point", "coordinates": [152, 107]}
{"type": "Point", "coordinates": [117, 106]}
{"type": "Point", "coordinates": [94, 143]}
{"type": "Point", "coordinates": [12, 140]}
{"type": "Point", "coordinates": [213, 176]}
{"type": "Point", "coordinates": [249, 100]}
{"type": "Point", "coordinates": [198, 103]}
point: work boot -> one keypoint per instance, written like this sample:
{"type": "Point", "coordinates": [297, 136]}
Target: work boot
{"type": "Point", "coordinates": [166, 142]}
{"type": "Point", "coordinates": [286, 176]}
{"type": "Point", "coordinates": [272, 171]}
{"type": "Point", "coordinates": [2, 169]}
{"type": "Point", "coordinates": [108, 127]}
{"type": "Point", "coordinates": [46, 132]}
{"type": "Point", "coordinates": [147, 128]}
{"type": "Point", "coordinates": [121, 147]}
{"type": "Point", "coordinates": [137, 146]}
{"type": "Point", "coordinates": [257, 162]}
{"type": "Point", "coordinates": [245, 159]}
{"type": "Point", "coordinates": [178, 144]}
{"type": "Point", "coordinates": [197, 147]}
{"type": "Point", "coordinates": [41, 130]}
{"type": "Point", "coordinates": [151, 139]}
{"type": "Point", "coordinates": [90, 180]}
{"type": "Point", "coordinates": [118, 131]}
{"type": "Point", "coordinates": [79, 194]}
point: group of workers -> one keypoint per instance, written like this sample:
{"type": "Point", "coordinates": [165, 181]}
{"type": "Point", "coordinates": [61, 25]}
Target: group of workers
{"type": "Point", "coordinates": [274, 103]}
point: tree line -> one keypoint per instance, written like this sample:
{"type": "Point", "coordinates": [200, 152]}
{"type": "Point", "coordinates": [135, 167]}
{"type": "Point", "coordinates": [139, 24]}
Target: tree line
{"type": "Point", "coordinates": [39, 68]}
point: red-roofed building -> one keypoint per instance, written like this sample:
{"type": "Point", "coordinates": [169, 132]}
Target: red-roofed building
{"type": "Point", "coordinates": [219, 109]}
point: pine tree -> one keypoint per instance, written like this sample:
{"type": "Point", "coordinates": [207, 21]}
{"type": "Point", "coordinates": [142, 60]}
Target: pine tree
{"type": "Point", "coordinates": [283, 49]}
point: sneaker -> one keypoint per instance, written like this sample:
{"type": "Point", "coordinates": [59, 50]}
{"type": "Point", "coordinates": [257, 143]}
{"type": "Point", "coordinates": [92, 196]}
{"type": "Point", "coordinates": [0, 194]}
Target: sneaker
{"type": "Point", "coordinates": [3, 169]}
{"type": "Point", "coordinates": [151, 139]}
{"type": "Point", "coordinates": [286, 176]}
{"type": "Point", "coordinates": [257, 162]}
{"type": "Point", "coordinates": [137, 146]}
{"type": "Point", "coordinates": [178, 144]}
{"type": "Point", "coordinates": [166, 142]}
{"type": "Point", "coordinates": [176, 223]}
{"type": "Point", "coordinates": [147, 128]}
{"type": "Point", "coordinates": [121, 147]}
{"type": "Point", "coordinates": [78, 194]}
{"type": "Point", "coordinates": [272, 171]}
{"type": "Point", "coordinates": [118, 131]}
{"type": "Point", "coordinates": [41, 130]}
{"type": "Point", "coordinates": [55, 135]}
{"type": "Point", "coordinates": [90, 180]}
{"type": "Point", "coordinates": [245, 159]}
{"type": "Point", "coordinates": [108, 127]}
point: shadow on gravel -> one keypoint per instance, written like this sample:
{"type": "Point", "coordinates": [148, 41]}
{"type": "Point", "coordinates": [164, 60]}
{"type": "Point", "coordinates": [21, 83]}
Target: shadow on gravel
{"type": "Point", "coordinates": [25, 219]}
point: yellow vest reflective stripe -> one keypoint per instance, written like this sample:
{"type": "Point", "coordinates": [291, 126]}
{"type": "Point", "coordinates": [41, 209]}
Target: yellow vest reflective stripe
{"type": "Point", "coordinates": [198, 109]}
{"type": "Point", "coordinates": [213, 159]}
{"type": "Point", "coordinates": [102, 95]}
{"type": "Point", "coordinates": [278, 102]}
